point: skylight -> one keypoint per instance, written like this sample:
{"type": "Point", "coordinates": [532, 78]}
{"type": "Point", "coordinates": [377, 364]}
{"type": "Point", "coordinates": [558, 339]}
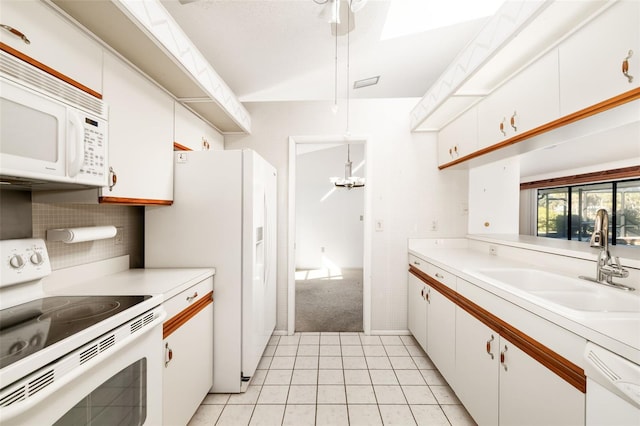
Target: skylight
{"type": "Point", "coordinates": [406, 17]}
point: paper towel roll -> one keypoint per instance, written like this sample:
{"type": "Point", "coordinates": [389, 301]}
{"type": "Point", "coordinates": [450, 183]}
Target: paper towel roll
{"type": "Point", "coordinates": [77, 235]}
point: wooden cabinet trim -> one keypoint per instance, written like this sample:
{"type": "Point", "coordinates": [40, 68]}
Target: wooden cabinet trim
{"type": "Point", "coordinates": [615, 174]}
{"type": "Point", "coordinates": [134, 201]}
{"type": "Point", "coordinates": [179, 147]}
{"type": "Point", "coordinates": [28, 59]}
{"type": "Point", "coordinates": [175, 322]}
{"type": "Point", "coordinates": [562, 367]}
{"type": "Point", "coordinates": [603, 106]}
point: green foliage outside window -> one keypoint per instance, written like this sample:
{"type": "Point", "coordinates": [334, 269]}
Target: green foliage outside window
{"type": "Point", "coordinates": [569, 212]}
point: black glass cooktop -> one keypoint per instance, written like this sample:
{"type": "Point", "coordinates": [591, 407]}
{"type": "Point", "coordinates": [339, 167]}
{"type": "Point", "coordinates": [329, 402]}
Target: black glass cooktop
{"type": "Point", "coordinates": [31, 326]}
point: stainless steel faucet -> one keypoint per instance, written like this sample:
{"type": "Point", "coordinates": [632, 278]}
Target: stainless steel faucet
{"type": "Point", "coordinates": [606, 269]}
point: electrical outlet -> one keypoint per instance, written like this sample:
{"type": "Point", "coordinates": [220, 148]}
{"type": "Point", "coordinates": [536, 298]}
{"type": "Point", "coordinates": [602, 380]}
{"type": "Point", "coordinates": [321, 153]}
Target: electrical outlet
{"type": "Point", "coordinates": [119, 235]}
{"type": "Point", "coordinates": [493, 250]}
{"type": "Point", "coordinates": [434, 225]}
{"type": "Point", "coordinates": [379, 225]}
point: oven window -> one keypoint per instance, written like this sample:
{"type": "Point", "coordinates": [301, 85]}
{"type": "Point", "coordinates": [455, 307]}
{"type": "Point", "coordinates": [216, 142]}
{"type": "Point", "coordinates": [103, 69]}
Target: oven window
{"type": "Point", "coordinates": [121, 400]}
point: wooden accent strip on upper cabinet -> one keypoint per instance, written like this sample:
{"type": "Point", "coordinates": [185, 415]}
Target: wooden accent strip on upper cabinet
{"type": "Point", "coordinates": [615, 174]}
{"type": "Point", "coordinates": [175, 322]}
{"type": "Point", "coordinates": [134, 201]}
{"type": "Point", "coordinates": [562, 367]}
{"type": "Point", "coordinates": [603, 106]}
{"type": "Point", "coordinates": [178, 147]}
{"type": "Point", "coordinates": [28, 59]}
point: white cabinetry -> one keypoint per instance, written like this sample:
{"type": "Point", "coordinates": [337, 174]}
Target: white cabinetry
{"type": "Point", "coordinates": [188, 352]}
{"type": "Point", "coordinates": [527, 101]}
{"type": "Point", "coordinates": [500, 384]}
{"type": "Point", "coordinates": [54, 42]}
{"type": "Point", "coordinates": [458, 138]}
{"type": "Point", "coordinates": [193, 133]}
{"type": "Point", "coordinates": [140, 134]}
{"type": "Point", "coordinates": [431, 315]}
{"type": "Point", "coordinates": [591, 61]}
{"type": "Point", "coordinates": [417, 310]}
{"type": "Point", "coordinates": [477, 372]}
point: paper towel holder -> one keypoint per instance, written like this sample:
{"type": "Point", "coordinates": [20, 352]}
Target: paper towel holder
{"type": "Point", "coordinates": [77, 235]}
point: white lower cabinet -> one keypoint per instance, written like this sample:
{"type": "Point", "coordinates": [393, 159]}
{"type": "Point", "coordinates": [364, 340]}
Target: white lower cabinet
{"type": "Point", "coordinates": [441, 329]}
{"type": "Point", "coordinates": [188, 353]}
{"type": "Point", "coordinates": [431, 317]}
{"type": "Point", "coordinates": [417, 308]}
{"type": "Point", "coordinates": [477, 375]}
{"type": "Point", "coordinates": [499, 384]}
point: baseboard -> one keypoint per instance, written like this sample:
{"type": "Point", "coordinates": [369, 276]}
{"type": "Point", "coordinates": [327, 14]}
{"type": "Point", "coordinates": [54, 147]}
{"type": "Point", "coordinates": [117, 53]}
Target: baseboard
{"type": "Point", "coordinates": [279, 333]}
{"type": "Point", "coordinates": [390, 333]}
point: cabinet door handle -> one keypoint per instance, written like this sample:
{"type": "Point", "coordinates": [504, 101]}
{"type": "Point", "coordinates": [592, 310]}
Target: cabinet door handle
{"type": "Point", "coordinates": [429, 296]}
{"type": "Point", "coordinates": [513, 122]}
{"type": "Point", "coordinates": [502, 126]}
{"type": "Point", "coordinates": [489, 346]}
{"type": "Point", "coordinates": [439, 276]}
{"type": "Point", "coordinates": [455, 149]}
{"type": "Point", "coordinates": [16, 33]}
{"type": "Point", "coordinates": [168, 354]}
{"type": "Point", "coordinates": [113, 178]}
{"type": "Point", "coordinates": [415, 262]}
{"type": "Point", "coordinates": [192, 298]}
{"type": "Point", "coordinates": [625, 66]}
{"type": "Point", "coordinates": [502, 357]}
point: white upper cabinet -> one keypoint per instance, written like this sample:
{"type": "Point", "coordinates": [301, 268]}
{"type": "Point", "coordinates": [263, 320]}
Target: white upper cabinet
{"type": "Point", "coordinates": [192, 132]}
{"type": "Point", "coordinates": [140, 134]}
{"type": "Point", "coordinates": [53, 41]}
{"type": "Point", "coordinates": [458, 138]}
{"type": "Point", "coordinates": [527, 101]}
{"type": "Point", "coordinates": [591, 60]}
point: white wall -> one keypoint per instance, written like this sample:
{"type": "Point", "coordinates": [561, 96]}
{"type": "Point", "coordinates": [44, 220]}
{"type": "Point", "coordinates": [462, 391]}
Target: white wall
{"type": "Point", "coordinates": [329, 229]}
{"type": "Point", "coordinates": [408, 190]}
{"type": "Point", "coordinates": [494, 198]}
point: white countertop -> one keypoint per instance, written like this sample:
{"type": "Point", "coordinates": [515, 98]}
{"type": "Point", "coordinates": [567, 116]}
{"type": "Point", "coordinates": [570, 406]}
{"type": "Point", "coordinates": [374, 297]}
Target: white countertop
{"type": "Point", "coordinates": [113, 277]}
{"type": "Point", "coordinates": [618, 334]}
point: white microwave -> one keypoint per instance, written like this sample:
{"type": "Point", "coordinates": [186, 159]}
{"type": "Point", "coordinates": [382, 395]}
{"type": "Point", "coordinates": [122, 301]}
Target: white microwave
{"type": "Point", "coordinates": [47, 138]}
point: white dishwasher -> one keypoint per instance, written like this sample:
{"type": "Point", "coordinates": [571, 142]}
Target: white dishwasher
{"type": "Point", "coordinates": [613, 388]}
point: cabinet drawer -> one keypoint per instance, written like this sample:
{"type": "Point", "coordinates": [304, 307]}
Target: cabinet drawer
{"type": "Point", "coordinates": [418, 263]}
{"type": "Point", "coordinates": [443, 276]}
{"type": "Point", "coordinates": [183, 300]}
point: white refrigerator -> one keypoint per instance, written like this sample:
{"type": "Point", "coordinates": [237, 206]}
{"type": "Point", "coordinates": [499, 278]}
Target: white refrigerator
{"type": "Point", "coordinates": [224, 216]}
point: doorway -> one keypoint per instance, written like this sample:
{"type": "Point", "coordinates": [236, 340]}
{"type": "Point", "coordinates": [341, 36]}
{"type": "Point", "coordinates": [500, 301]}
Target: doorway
{"type": "Point", "coordinates": [329, 250]}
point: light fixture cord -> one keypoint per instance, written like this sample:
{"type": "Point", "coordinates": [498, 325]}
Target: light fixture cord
{"type": "Point", "coordinates": [348, 49]}
{"type": "Point", "coordinates": [335, 77]}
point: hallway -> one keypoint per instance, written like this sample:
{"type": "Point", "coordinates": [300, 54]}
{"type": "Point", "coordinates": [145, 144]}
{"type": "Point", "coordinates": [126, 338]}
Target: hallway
{"type": "Point", "coordinates": [329, 302]}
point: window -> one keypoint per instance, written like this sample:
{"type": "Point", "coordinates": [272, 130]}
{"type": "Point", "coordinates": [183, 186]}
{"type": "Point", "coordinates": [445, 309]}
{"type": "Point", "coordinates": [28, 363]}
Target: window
{"type": "Point", "coordinates": [568, 212]}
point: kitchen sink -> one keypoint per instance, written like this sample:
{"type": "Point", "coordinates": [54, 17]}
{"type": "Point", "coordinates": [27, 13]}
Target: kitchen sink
{"type": "Point", "coordinates": [533, 279]}
{"type": "Point", "coordinates": [571, 295]}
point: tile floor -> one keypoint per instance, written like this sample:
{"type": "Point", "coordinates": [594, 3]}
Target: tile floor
{"type": "Point", "coordinates": [339, 379]}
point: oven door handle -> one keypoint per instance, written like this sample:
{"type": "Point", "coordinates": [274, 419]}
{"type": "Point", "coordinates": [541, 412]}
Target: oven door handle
{"type": "Point", "coordinates": [18, 408]}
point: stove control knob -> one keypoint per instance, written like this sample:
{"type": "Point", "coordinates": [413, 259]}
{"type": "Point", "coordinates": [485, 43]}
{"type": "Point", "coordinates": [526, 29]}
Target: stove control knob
{"type": "Point", "coordinates": [16, 261]}
{"type": "Point", "coordinates": [36, 258]}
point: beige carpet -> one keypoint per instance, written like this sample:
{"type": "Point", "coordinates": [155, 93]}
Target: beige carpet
{"type": "Point", "coordinates": [329, 302]}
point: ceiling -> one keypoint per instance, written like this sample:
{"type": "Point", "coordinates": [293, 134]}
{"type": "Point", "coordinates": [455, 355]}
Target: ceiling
{"type": "Point", "coordinates": [281, 50]}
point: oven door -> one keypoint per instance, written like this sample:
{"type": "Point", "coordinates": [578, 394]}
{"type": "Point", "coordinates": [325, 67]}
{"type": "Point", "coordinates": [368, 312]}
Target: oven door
{"type": "Point", "coordinates": [122, 385]}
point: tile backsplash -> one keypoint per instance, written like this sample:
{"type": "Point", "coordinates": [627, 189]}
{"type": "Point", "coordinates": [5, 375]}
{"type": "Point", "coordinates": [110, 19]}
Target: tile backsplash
{"type": "Point", "coordinates": [62, 255]}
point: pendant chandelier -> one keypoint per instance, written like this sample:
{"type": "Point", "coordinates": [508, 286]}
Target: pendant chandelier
{"type": "Point", "coordinates": [349, 181]}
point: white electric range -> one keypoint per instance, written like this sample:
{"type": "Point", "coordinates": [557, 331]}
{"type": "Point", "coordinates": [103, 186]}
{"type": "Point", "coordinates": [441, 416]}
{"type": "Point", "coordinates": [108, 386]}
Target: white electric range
{"type": "Point", "coordinates": [74, 358]}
